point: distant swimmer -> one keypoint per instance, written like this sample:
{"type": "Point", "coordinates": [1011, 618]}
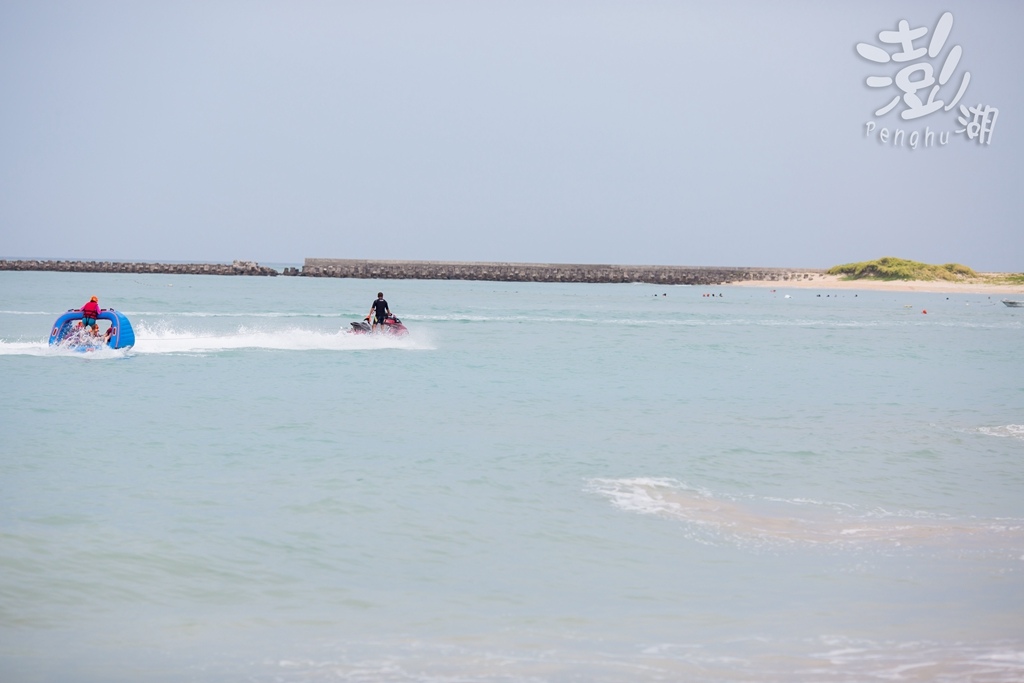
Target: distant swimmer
{"type": "Point", "coordinates": [91, 311]}
{"type": "Point", "coordinates": [379, 310]}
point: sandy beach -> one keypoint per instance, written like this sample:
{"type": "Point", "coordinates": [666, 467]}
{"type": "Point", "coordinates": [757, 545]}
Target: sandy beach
{"type": "Point", "coordinates": [822, 281]}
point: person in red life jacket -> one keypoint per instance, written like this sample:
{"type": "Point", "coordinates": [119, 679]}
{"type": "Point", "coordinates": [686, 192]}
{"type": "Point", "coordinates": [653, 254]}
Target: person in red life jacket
{"type": "Point", "coordinates": [90, 312]}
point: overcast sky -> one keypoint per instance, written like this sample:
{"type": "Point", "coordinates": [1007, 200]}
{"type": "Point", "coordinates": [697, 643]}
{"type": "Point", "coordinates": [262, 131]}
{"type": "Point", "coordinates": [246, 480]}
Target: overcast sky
{"type": "Point", "coordinates": [717, 133]}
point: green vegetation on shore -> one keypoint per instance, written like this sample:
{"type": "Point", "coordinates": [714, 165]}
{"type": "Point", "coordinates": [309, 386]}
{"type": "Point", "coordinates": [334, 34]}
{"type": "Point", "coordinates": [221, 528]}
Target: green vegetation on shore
{"type": "Point", "coordinates": [1007, 279]}
{"type": "Point", "coordinates": [889, 268]}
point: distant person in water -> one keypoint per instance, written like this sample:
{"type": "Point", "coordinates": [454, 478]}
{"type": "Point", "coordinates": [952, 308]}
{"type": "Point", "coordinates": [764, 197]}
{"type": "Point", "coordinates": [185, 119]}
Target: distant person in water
{"type": "Point", "coordinates": [379, 310]}
{"type": "Point", "coordinates": [91, 311]}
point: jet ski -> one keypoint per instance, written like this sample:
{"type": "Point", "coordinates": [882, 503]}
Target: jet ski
{"type": "Point", "coordinates": [391, 325]}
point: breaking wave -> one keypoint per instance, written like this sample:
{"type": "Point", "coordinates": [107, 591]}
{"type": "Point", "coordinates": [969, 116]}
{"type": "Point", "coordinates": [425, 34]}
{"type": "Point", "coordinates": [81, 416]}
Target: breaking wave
{"type": "Point", "coordinates": [713, 518]}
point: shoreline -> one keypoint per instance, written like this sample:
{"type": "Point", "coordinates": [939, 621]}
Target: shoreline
{"type": "Point", "coordinates": [823, 281]}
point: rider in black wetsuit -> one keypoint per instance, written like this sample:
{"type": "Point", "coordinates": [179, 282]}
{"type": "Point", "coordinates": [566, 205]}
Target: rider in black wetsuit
{"type": "Point", "coordinates": [379, 310]}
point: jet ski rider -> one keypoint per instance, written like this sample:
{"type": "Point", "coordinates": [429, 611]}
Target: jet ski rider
{"type": "Point", "coordinates": [379, 310]}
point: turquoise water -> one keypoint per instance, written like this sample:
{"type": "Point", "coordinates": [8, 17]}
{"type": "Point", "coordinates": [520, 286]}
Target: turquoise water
{"type": "Point", "coordinates": [540, 483]}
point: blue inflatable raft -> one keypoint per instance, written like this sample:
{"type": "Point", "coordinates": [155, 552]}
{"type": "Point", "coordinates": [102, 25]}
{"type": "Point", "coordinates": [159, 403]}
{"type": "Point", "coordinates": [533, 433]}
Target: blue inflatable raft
{"type": "Point", "coordinates": [68, 332]}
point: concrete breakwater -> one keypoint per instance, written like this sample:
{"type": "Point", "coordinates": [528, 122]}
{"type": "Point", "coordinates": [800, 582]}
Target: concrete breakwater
{"type": "Point", "coordinates": [439, 270]}
{"type": "Point", "coordinates": [542, 272]}
{"type": "Point", "coordinates": [236, 267]}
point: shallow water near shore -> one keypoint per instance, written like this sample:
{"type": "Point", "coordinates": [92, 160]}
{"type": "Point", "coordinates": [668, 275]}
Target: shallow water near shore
{"type": "Point", "coordinates": [540, 483]}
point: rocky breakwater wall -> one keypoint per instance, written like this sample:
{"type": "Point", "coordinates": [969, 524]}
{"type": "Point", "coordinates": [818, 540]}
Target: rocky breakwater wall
{"type": "Point", "coordinates": [542, 272]}
{"type": "Point", "coordinates": [236, 268]}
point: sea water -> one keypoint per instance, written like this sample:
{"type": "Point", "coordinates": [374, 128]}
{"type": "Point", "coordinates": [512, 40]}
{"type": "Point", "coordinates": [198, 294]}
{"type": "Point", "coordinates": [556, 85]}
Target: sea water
{"type": "Point", "coordinates": [541, 482]}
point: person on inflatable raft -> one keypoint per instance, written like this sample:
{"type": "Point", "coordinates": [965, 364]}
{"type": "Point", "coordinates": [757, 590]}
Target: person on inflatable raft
{"type": "Point", "coordinates": [90, 312]}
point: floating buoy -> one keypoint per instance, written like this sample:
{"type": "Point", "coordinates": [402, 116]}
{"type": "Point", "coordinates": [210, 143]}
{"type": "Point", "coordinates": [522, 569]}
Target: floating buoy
{"type": "Point", "coordinates": [924, 311]}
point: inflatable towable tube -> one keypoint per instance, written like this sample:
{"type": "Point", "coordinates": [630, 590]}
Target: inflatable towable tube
{"type": "Point", "coordinates": [121, 336]}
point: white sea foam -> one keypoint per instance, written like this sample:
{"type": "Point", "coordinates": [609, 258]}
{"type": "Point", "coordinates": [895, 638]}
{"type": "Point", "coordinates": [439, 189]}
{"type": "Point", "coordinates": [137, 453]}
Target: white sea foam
{"type": "Point", "coordinates": [828, 659]}
{"type": "Point", "coordinates": [161, 339]}
{"type": "Point", "coordinates": [233, 314]}
{"type": "Point", "coordinates": [1004, 431]}
{"type": "Point", "coordinates": [43, 348]}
